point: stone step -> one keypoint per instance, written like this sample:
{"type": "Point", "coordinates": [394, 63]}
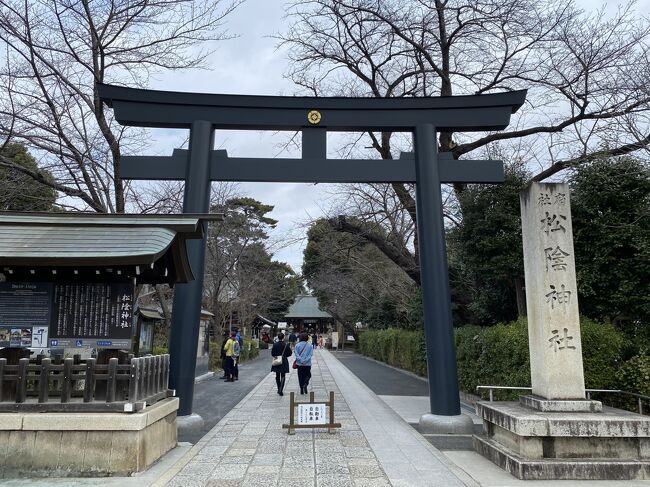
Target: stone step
{"type": "Point", "coordinates": [560, 468]}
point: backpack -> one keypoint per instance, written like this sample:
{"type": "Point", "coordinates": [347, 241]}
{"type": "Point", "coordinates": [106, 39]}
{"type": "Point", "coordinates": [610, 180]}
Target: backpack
{"type": "Point", "coordinates": [236, 348]}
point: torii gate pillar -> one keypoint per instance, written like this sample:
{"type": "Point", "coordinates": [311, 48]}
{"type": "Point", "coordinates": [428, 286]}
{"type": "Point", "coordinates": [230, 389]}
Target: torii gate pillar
{"type": "Point", "coordinates": [186, 311]}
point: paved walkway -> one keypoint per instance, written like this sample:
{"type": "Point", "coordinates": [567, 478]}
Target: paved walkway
{"type": "Point", "coordinates": [403, 391]}
{"type": "Point", "coordinates": [374, 447]}
{"type": "Point", "coordinates": [214, 398]}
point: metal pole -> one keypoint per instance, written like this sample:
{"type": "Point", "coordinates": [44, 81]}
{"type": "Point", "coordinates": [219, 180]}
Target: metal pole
{"type": "Point", "coordinates": [436, 297]}
{"type": "Point", "coordinates": [186, 315]}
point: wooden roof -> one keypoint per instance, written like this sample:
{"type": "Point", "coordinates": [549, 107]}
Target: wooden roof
{"type": "Point", "coordinates": [149, 246]}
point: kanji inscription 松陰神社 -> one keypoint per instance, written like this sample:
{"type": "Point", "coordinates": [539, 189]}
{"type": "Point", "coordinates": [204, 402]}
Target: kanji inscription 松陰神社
{"type": "Point", "coordinates": [551, 292]}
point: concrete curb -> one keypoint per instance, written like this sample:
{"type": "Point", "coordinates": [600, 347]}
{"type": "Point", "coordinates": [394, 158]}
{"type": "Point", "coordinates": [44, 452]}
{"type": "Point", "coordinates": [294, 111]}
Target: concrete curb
{"type": "Point", "coordinates": [201, 378]}
{"type": "Point", "coordinates": [460, 474]}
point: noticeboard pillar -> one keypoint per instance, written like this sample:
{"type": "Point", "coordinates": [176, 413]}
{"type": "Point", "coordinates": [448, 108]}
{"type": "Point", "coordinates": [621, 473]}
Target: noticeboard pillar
{"type": "Point", "coordinates": [436, 297]}
{"type": "Point", "coordinates": [186, 313]}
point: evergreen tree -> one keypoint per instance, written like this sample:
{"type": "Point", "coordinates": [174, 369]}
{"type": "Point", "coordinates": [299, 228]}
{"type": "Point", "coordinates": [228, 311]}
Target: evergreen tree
{"type": "Point", "coordinates": [485, 252]}
{"type": "Point", "coordinates": [610, 204]}
{"type": "Point", "coordinates": [18, 190]}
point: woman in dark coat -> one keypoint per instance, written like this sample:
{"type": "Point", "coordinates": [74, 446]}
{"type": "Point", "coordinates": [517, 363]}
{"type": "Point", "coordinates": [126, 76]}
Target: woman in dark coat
{"type": "Point", "coordinates": [281, 349]}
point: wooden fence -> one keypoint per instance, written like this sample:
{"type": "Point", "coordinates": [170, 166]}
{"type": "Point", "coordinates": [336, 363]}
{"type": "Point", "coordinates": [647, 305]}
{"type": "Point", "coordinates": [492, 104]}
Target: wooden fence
{"type": "Point", "coordinates": [74, 385]}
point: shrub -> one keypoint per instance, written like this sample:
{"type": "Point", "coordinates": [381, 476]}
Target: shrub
{"type": "Point", "coordinates": [602, 350]}
{"type": "Point", "coordinates": [498, 355]}
{"type": "Point", "coordinates": [400, 348]}
{"type": "Point", "coordinates": [634, 375]}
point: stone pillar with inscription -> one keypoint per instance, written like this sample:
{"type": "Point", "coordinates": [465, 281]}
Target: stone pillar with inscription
{"type": "Point", "coordinates": [551, 295]}
{"type": "Point", "coordinates": [555, 433]}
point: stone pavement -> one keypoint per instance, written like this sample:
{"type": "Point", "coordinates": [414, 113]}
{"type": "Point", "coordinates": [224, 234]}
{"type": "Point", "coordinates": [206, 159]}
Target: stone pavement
{"type": "Point", "coordinates": [214, 398]}
{"type": "Point", "coordinates": [374, 447]}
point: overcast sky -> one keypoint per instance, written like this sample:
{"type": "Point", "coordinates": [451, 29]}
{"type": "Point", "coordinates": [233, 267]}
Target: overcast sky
{"type": "Point", "coordinates": [251, 64]}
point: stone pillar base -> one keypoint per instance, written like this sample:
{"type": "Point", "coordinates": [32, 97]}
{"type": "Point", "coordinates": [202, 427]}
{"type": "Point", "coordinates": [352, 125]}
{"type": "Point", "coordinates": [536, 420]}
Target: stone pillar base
{"type": "Point", "coordinates": [561, 406]}
{"type": "Point", "coordinates": [190, 424]}
{"type": "Point", "coordinates": [446, 425]}
{"type": "Point", "coordinates": [549, 445]}
{"type": "Point", "coordinates": [85, 444]}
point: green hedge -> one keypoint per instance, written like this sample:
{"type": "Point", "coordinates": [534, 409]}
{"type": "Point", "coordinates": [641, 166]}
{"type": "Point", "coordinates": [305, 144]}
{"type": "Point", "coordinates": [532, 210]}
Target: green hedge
{"type": "Point", "coordinates": [400, 348]}
{"type": "Point", "coordinates": [249, 351]}
{"type": "Point", "coordinates": [498, 355]}
{"type": "Point", "coordinates": [634, 375]}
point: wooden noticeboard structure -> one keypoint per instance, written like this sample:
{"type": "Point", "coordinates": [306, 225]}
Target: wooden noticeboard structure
{"type": "Point", "coordinates": [76, 289]}
{"type": "Point", "coordinates": [292, 426]}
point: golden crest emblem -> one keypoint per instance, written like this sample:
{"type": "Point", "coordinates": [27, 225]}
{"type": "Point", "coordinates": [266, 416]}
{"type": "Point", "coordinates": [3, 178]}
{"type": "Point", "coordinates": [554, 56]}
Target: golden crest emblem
{"type": "Point", "coordinates": [314, 117]}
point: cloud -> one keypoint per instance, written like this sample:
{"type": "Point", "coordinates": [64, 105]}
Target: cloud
{"type": "Point", "coordinates": [251, 64]}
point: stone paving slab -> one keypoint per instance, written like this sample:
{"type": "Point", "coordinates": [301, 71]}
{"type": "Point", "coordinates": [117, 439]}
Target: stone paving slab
{"type": "Point", "coordinates": [375, 448]}
{"type": "Point", "coordinates": [248, 447]}
{"type": "Point", "coordinates": [404, 455]}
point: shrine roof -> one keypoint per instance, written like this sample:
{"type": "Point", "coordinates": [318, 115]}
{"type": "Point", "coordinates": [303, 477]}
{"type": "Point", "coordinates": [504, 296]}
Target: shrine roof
{"type": "Point", "coordinates": [152, 314]}
{"type": "Point", "coordinates": [151, 246]}
{"type": "Point", "coordinates": [306, 306]}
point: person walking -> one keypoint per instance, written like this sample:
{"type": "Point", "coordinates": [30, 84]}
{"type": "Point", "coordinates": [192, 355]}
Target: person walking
{"type": "Point", "coordinates": [292, 340]}
{"type": "Point", "coordinates": [230, 361]}
{"type": "Point", "coordinates": [304, 352]}
{"type": "Point", "coordinates": [236, 352]}
{"type": "Point", "coordinates": [224, 365]}
{"type": "Point", "coordinates": [280, 365]}
{"type": "Point", "coordinates": [314, 340]}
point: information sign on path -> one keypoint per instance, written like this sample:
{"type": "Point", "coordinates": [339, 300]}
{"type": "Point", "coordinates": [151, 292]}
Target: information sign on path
{"type": "Point", "coordinates": [311, 414]}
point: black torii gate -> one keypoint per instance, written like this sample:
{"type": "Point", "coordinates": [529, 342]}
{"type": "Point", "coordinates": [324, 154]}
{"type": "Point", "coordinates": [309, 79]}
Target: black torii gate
{"type": "Point", "coordinates": [200, 164]}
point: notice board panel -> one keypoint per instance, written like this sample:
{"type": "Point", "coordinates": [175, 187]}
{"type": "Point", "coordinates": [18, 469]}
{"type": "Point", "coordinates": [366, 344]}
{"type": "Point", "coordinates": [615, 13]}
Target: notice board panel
{"type": "Point", "coordinates": [25, 310]}
{"type": "Point", "coordinates": [66, 314]}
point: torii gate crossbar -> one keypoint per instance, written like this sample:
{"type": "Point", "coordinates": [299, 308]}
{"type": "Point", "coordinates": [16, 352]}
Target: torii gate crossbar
{"type": "Point", "coordinates": [202, 114]}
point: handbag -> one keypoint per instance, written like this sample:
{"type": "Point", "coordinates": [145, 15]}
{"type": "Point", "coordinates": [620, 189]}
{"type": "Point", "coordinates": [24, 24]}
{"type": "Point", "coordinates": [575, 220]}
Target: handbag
{"type": "Point", "coordinates": [278, 360]}
{"type": "Point", "coordinates": [295, 362]}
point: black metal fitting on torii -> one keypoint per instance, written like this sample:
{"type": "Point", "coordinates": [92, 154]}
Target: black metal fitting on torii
{"type": "Point", "coordinates": [314, 117]}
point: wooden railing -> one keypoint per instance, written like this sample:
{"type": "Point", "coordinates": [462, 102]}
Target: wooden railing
{"type": "Point", "coordinates": [74, 385]}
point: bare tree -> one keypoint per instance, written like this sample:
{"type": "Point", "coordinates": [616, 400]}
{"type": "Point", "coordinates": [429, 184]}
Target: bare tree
{"type": "Point", "coordinates": [55, 54]}
{"type": "Point", "coordinates": [167, 197]}
{"type": "Point", "coordinates": [586, 73]}
{"type": "Point", "coordinates": [353, 280]}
